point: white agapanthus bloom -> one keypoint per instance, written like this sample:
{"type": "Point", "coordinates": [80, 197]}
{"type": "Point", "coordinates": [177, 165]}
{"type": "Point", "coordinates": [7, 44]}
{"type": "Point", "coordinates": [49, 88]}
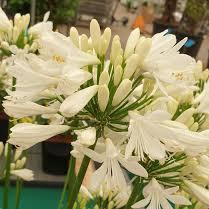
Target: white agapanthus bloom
{"type": "Point", "coordinates": [60, 48]}
{"type": "Point", "coordinates": [161, 58]}
{"type": "Point", "coordinates": [154, 133]}
{"type": "Point", "coordinates": [158, 197]}
{"type": "Point", "coordinates": [110, 171]}
{"type": "Point", "coordinates": [25, 135]}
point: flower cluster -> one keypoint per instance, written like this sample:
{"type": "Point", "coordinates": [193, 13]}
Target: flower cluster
{"type": "Point", "coordinates": [143, 109]}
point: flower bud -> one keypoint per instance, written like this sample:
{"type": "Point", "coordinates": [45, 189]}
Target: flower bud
{"type": "Point", "coordinates": [17, 19]}
{"type": "Point", "coordinates": [17, 155]}
{"type": "Point", "coordinates": [18, 164]}
{"type": "Point", "coordinates": [143, 48]}
{"type": "Point", "coordinates": [131, 43]}
{"type": "Point", "coordinates": [5, 45]}
{"type": "Point", "coordinates": [95, 33]}
{"type": "Point", "coordinates": [118, 72]}
{"type": "Point", "coordinates": [12, 166]}
{"type": "Point", "coordinates": [1, 148]}
{"type": "Point", "coordinates": [104, 78]}
{"type": "Point", "coordinates": [194, 127]}
{"type": "Point", "coordinates": [186, 115]}
{"type": "Point", "coordinates": [74, 36]}
{"type": "Point", "coordinates": [131, 66]}
{"type": "Point", "coordinates": [86, 136]}
{"type": "Point", "coordinates": [103, 97]}
{"type": "Point", "coordinates": [122, 91]}
{"type": "Point", "coordinates": [116, 49]}
{"type": "Point", "coordinates": [84, 42]}
{"type": "Point", "coordinates": [23, 161]}
{"type": "Point", "coordinates": [118, 61]}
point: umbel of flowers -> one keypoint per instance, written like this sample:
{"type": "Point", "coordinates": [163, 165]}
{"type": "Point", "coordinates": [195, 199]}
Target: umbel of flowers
{"type": "Point", "coordinates": [142, 109]}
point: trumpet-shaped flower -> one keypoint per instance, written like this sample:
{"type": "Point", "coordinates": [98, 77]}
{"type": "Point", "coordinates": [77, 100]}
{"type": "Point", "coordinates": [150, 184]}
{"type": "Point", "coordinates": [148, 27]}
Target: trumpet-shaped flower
{"type": "Point", "coordinates": [25, 174]}
{"type": "Point", "coordinates": [166, 64]}
{"type": "Point", "coordinates": [60, 49]}
{"type": "Point", "coordinates": [154, 133]}
{"type": "Point", "coordinates": [110, 171]}
{"type": "Point", "coordinates": [25, 109]}
{"type": "Point", "coordinates": [157, 197]}
{"type": "Point", "coordinates": [25, 135]}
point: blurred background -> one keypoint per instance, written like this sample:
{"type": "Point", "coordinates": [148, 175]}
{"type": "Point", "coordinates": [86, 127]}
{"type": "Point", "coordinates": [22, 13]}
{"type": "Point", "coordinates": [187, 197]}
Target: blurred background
{"type": "Point", "coordinates": [190, 18]}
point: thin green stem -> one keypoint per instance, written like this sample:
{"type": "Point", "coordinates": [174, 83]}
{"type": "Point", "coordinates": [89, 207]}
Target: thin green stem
{"type": "Point", "coordinates": [76, 188]}
{"type": "Point", "coordinates": [7, 178]}
{"type": "Point", "coordinates": [70, 176]}
{"type": "Point", "coordinates": [137, 190]}
{"type": "Point", "coordinates": [18, 193]}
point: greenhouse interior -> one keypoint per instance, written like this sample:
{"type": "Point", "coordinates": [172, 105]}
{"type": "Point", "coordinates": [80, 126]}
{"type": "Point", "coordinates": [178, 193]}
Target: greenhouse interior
{"type": "Point", "coordinates": [104, 104]}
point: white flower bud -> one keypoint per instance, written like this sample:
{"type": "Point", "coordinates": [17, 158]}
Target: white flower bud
{"type": "Point", "coordinates": [17, 19]}
{"type": "Point", "coordinates": [18, 164]}
{"type": "Point", "coordinates": [131, 43]}
{"type": "Point", "coordinates": [118, 72]}
{"type": "Point", "coordinates": [74, 36]}
{"type": "Point", "coordinates": [103, 97]}
{"type": "Point", "coordinates": [194, 127]}
{"type": "Point", "coordinates": [142, 49]}
{"type": "Point", "coordinates": [12, 166]}
{"type": "Point", "coordinates": [26, 20]}
{"type": "Point", "coordinates": [104, 78]}
{"type": "Point", "coordinates": [84, 42]}
{"type": "Point", "coordinates": [118, 61]}
{"type": "Point", "coordinates": [131, 66]}
{"type": "Point", "coordinates": [116, 49]}
{"type": "Point", "coordinates": [86, 136]}
{"type": "Point", "coordinates": [186, 115]}
{"type": "Point", "coordinates": [23, 160]}
{"type": "Point", "coordinates": [107, 36]}
{"type": "Point", "coordinates": [199, 192]}
{"type": "Point", "coordinates": [5, 45]}
{"type": "Point", "coordinates": [95, 33]}
{"type": "Point", "coordinates": [102, 46]}
{"type": "Point", "coordinates": [1, 148]}
{"type": "Point", "coordinates": [122, 91]}
{"type": "Point", "coordinates": [17, 155]}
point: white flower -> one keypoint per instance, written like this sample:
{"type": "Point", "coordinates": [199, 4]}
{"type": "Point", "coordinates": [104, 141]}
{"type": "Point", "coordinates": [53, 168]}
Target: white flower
{"type": "Point", "coordinates": [60, 49]}
{"type": "Point", "coordinates": [5, 24]}
{"type": "Point", "coordinates": [25, 135]}
{"type": "Point", "coordinates": [157, 197]}
{"type": "Point", "coordinates": [86, 136]}
{"type": "Point", "coordinates": [110, 171]}
{"type": "Point", "coordinates": [77, 101]}
{"type": "Point", "coordinates": [25, 174]}
{"type": "Point", "coordinates": [25, 109]}
{"type": "Point", "coordinates": [199, 192]}
{"type": "Point", "coordinates": [166, 64]}
{"type": "Point", "coordinates": [154, 133]}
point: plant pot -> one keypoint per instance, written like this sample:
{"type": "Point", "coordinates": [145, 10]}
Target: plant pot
{"type": "Point", "coordinates": [4, 126]}
{"type": "Point", "coordinates": [56, 155]}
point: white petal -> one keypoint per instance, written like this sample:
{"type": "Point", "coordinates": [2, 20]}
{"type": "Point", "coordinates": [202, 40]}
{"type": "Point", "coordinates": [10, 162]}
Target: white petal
{"type": "Point", "coordinates": [24, 174]}
{"type": "Point", "coordinates": [26, 135]}
{"type": "Point", "coordinates": [142, 203]}
{"type": "Point", "coordinates": [77, 101]}
{"type": "Point", "coordinates": [179, 200]}
{"type": "Point", "coordinates": [134, 167]}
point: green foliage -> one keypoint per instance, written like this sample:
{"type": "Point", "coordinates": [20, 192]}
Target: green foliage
{"type": "Point", "coordinates": [196, 9]}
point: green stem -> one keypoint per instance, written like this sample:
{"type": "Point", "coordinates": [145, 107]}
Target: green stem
{"type": "Point", "coordinates": [18, 192]}
{"type": "Point", "coordinates": [76, 188]}
{"type": "Point", "coordinates": [137, 190]}
{"type": "Point", "coordinates": [70, 176]}
{"type": "Point", "coordinates": [7, 178]}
